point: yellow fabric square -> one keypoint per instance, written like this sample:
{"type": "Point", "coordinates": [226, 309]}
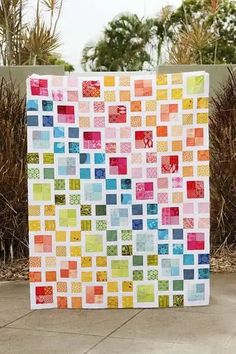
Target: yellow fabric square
{"type": "Point", "coordinates": [203, 170]}
{"type": "Point", "coordinates": [74, 184]}
{"type": "Point", "coordinates": [187, 119]}
{"type": "Point", "coordinates": [101, 275]}
{"type": "Point", "coordinates": [86, 262]}
{"type": "Point", "coordinates": [86, 276]}
{"type": "Point", "coordinates": [75, 236]}
{"type": "Point", "coordinates": [112, 302]}
{"type": "Point", "coordinates": [127, 286]}
{"type": "Point", "coordinates": [187, 171]}
{"type": "Point", "coordinates": [162, 146]}
{"type": "Point", "coordinates": [177, 130]}
{"type": "Point", "coordinates": [161, 79]}
{"type": "Point", "coordinates": [112, 286]}
{"type": "Point", "coordinates": [152, 260]}
{"type": "Point", "coordinates": [109, 96]}
{"type": "Point", "coordinates": [187, 156]}
{"type": "Point", "coordinates": [124, 95]}
{"type": "Point", "coordinates": [187, 103]}
{"type": "Point", "coordinates": [34, 225]}
{"type": "Point", "coordinates": [61, 251]}
{"type": "Point", "coordinates": [48, 158]}
{"type": "Point", "coordinates": [61, 236]}
{"type": "Point", "coordinates": [125, 80]}
{"type": "Point", "coordinates": [202, 102]}
{"type": "Point", "coordinates": [84, 122]}
{"type": "Point", "coordinates": [177, 145]}
{"type": "Point", "coordinates": [76, 287]}
{"type": "Point", "coordinates": [202, 118]}
{"type": "Point", "coordinates": [49, 210]}
{"type": "Point", "coordinates": [151, 106]}
{"type": "Point", "coordinates": [162, 94]}
{"type": "Point", "coordinates": [136, 121]}
{"type": "Point", "coordinates": [61, 287]}
{"type": "Point", "coordinates": [50, 225]}
{"type": "Point", "coordinates": [101, 261]}
{"type": "Point", "coordinates": [34, 210]}
{"type": "Point", "coordinates": [176, 93]}
{"type": "Point", "coordinates": [127, 302]}
{"type": "Point", "coordinates": [177, 78]}
{"type": "Point", "coordinates": [109, 81]}
{"type": "Point", "coordinates": [177, 197]}
{"type": "Point", "coordinates": [75, 251]}
{"type": "Point", "coordinates": [151, 121]}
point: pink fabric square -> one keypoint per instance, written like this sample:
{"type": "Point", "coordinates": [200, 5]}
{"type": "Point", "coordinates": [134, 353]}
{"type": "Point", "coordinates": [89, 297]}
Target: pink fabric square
{"type": "Point", "coordinates": [84, 107]}
{"type": "Point", "coordinates": [188, 208]}
{"type": "Point", "coordinates": [177, 182]}
{"type": "Point", "coordinates": [144, 191]}
{"type": "Point", "coordinates": [162, 198]}
{"type": "Point", "coordinates": [204, 223]}
{"type": "Point", "coordinates": [188, 223]}
{"type": "Point", "coordinates": [110, 133]}
{"type": "Point", "coordinates": [125, 148]}
{"type": "Point", "coordinates": [72, 81]}
{"type": "Point", "coordinates": [137, 173]}
{"type": "Point", "coordinates": [125, 133]}
{"type": "Point", "coordinates": [99, 122]}
{"type": "Point", "coordinates": [162, 183]}
{"type": "Point", "coordinates": [110, 148]}
{"type": "Point", "coordinates": [203, 208]}
{"type": "Point", "coordinates": [99, 107]}
{"type": "Point", "coordinates": [57, 95]}
{"type": "Point", "coordinates": [57, 81]}
{"type": "Point", "coordinates": [151, 172]}
{"type": "Point", "coordinates": [151, 157]}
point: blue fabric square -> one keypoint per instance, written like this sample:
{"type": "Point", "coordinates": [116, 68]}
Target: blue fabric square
{"type": "Point", "coordinates": [47, 105]}
{"type": "Point", "coordinates": [32, 121]}
{"type": "Point", "coordinates": [152, 209]}
{"type": "Point", "coordinates": [73, 148]}
{"type": "Point", "coordinates": [137, 209]}
{"type": "Point", "coordinates": [111, 199]}
{"type": "Point", "coordinates": [163, 234]}
{"type": "Point", "coordinates": [126, 199]}
{"type": "Point", "coordinates": [73, 132]}
{"type": "Point", "coordinates": [84, 158]}
{"type": "Point", "coordinates": [100, 173]}
{"type": "Point", "coordinates": [163, 249]}
{"type": "Point", "coordinates": [203, 258]}
{"type": "Point", "coordinates": [111, 184]}
{"type": "Point", "coordinates": [99, 158]}
{"type": "Point", "coordinates": [137, 224]}
{"type": "Point", "coordinates": [48, 121]}
{"type": "Point", "coordinates": [152, 224]}
{"type": "Point", "coordinates": [32, 105]}
{"type": "Point", "coordinates": [188, 273]}
{"type": "Point", "coordinates": [59, 147]}
{"type": "Point", "coordinates": [203, 273]}
{"type": "Point", "coordinates": [178, 234]}
{"type": "Point", "coordinates": [178, 248]}
{"type": "Point", "coordinates": [188, 259]}
{"type": "Point", "coordinates": [59, 132]}
{"type": "Point", "coordinates": [126, 183]}
{"type": "Point", "coordinates": [85, 173]}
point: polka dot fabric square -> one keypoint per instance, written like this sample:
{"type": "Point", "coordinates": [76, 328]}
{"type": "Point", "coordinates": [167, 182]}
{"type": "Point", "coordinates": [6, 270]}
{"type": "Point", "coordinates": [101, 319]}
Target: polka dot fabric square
{"type": "Point", "coordinates": [118, 184]}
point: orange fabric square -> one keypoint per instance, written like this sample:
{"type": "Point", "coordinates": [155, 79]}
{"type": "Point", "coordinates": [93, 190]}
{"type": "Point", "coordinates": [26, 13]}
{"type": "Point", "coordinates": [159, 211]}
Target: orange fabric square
{"type": "Point", "coordinates": [162, 131]}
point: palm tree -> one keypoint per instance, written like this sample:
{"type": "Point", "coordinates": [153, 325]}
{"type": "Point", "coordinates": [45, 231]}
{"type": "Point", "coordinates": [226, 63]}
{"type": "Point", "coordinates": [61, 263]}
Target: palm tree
{"type": "Point", "coordinates": [124, 46]}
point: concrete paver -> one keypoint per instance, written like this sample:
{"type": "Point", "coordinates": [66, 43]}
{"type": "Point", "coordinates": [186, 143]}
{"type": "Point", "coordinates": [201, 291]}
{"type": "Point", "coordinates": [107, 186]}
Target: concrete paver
{"type": "Point", "coordinates": [210, 329]}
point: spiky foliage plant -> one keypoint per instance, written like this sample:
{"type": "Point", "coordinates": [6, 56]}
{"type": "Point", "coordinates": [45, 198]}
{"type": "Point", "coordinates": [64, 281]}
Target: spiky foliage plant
{"type": "Point", "coordinates": [223, 164]}
{"type": "Point", "coordinates": [13, 181]}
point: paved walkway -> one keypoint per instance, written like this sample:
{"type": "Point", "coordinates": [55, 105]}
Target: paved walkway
{"type": "Point", "coordinates": [203, 330]}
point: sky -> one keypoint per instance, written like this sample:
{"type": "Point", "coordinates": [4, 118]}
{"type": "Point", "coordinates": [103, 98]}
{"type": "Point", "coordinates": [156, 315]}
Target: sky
{"type": "Point", "coordinates": [84, 20]}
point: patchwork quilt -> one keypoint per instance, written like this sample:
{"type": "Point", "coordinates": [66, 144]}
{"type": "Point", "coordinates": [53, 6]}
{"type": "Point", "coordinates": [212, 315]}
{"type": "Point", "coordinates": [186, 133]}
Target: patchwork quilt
{"type": "Point", "coordinates": [118, 186]}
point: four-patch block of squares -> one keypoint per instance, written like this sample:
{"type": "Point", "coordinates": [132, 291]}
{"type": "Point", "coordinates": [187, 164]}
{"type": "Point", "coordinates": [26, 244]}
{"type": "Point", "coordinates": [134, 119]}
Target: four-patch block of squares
{"type": "Point", "coordinates": [118, 185]}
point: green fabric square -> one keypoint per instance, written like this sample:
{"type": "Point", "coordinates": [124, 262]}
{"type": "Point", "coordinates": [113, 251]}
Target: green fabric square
{"type": "Point", "coordinates": [145, 293]}
{"type": "Point", "coordinates": [60, 199]}
{"type": "Point", "coordinates": [86, 210]}
{"type": "Point", "coordinates": [126, 235]}
{"type": "Point", "coordinates": [41, 192]}
{"type": "Point", "coordinates": [127, 250]}
{"type": "Point", "coordinates": [137, 260]}
{"type": "Point", "coordinates": [119, 268]}
{"type": "Point", "coordinates": [163, 285]}
{"type": "Point", "coordinates": [48, 173]}
{"type": "Point", "coordinates": [112, 250]}
{"type": "Point", "coordinates": [94, 243]}
{"type": "Point", "coordinates": [101, 225]}
{"type": "Point", "coordinates": [152, 274]}
{"type": "Point", "coordinates": [67, 218]}
{"type": "Point", "coordinates": [74, 184]}
{"type": "Point", "coordinates": [163, 301]}
{"type": "Point", "coordinates": [101, 210]}
{"type": "Point", "coordinates": [137, 275]}
{"type": "Point", "coordinates": [48, 158]}
{"type": "Point", "coordinates": [111, 235]}
{"type": "Point", "coordinates": [32, 158]}
{"type": "Point", "coordinates": [74, 199]}
{"type": "Point", "coordinates": [195, 84]}
{"type": "Point", "coordinates": [178, 285]}
{"type": "Point", "coordinates": [59, 184]}
{"type": "Point", "coordinates": [178, 300]}
{"type": "Point", "coordinates": [33, 173]}
{"type": "Point", "coordinates": [86, 225]}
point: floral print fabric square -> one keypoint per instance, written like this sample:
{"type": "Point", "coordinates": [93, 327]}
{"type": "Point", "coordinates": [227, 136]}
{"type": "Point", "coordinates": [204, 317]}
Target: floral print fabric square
{"type": "Point", "coordinates": [118, 184]}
